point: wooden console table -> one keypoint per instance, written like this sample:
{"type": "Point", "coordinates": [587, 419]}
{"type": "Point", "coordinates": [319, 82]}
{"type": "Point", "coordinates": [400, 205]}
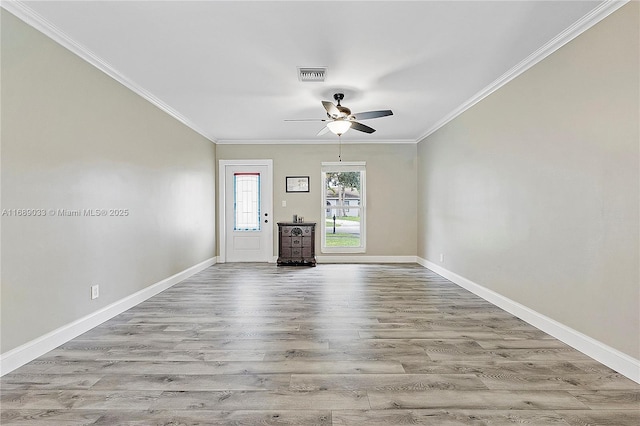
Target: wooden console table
{"type": "Point", "coordinates": [297, 242]}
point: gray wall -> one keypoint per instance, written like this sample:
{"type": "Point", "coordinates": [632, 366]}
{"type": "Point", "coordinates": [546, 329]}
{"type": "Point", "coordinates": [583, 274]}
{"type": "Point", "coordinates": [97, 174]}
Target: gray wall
{"type": "Point", "coordinates": [534, 192]}
{"type": "Point", "coordinates": [73, 138]}
{"type": "Point", "coordinates": [391, 188]}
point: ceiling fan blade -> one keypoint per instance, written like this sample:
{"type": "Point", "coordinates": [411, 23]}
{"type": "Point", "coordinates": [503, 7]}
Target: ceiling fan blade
{"type": "Point", "coordinates": [332, 110]}
{"type": "Point", "coordinates": [361, 127]}
{"type": "Point", "coordinates": [371, 114]}
{"type": "Point", "coordinates": [322, 131]}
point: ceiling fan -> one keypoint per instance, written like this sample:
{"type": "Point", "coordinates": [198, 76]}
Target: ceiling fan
{"type": "Point", "coordinates": [340, 119]}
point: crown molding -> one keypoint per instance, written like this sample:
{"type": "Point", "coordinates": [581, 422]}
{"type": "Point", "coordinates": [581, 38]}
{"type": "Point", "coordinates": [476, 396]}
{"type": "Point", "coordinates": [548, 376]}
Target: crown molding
{"type": "Point", "coordinates": [596, 15]}
{"type": "Point", "coordinates": [312, 142]}
{"type": "Point", "coordinates": [31, 18]}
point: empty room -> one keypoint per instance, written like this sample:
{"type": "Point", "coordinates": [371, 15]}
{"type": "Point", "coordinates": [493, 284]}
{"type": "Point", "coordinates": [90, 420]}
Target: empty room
{"type": "Point", "coordinates": [320, 212]}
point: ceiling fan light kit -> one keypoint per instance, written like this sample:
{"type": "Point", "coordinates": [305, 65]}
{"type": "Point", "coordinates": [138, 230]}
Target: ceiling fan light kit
{"type": "Point", "coordinates": [340, 120]}
{"type": "Point", "coordinates": [339, 127]}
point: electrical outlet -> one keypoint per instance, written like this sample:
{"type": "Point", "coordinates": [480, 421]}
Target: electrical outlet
{"type": "Point", "coordinates": [95, 291]}
{"type": "Point", "coordinates": [441, 257]}
{"type": "Point", "coordinates": [284, 203]}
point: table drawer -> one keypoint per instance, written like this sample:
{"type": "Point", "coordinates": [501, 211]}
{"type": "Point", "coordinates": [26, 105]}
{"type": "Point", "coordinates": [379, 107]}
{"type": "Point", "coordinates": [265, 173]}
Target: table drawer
{"type": "Point", "coordinates": [286, 230]}
{"type": "Point", "coordinates": [285, 252]}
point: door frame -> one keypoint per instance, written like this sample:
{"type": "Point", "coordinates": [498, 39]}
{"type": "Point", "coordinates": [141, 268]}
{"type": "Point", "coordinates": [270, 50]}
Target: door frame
{"type": "Point", "coordinates": [222, 200]}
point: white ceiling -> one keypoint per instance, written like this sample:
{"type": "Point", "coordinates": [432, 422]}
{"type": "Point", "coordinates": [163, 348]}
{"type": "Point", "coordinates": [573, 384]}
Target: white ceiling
{"type": "Point", "coordinates": [228, 68]}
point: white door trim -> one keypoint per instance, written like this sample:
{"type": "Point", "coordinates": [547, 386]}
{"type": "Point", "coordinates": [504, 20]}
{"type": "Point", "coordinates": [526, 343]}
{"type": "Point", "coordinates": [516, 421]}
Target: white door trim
{"type": "Point", "coordinates": [222, 177]}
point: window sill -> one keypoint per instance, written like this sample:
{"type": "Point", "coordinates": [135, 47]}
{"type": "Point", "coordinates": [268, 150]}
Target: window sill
{"type": "Point", "coordinates": [346, 250]}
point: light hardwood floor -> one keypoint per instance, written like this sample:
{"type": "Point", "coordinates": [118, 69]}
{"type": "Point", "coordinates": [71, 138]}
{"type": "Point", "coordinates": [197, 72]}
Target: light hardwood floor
{"type": "Point", "coordinates": [249, 344]}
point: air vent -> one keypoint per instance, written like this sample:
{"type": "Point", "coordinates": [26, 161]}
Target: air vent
{"type": "Point", "coordinates": [312, 74]}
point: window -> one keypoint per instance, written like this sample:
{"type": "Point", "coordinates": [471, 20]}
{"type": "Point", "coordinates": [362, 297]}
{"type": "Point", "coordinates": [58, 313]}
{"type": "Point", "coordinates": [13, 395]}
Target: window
{"type": "Point", "coordinates": [343, 201]}
{"type": "Point", "coordinates": [246, 201]}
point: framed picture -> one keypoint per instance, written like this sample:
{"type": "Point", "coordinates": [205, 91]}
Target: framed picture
{"type": "Point", "coordinates": [297, 183]}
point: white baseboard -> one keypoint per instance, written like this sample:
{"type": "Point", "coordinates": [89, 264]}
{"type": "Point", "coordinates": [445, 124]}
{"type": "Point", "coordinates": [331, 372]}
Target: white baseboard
{"type": "Point", "coordinates": [29, 351]}
{"type": "Point", "coordinates": [612, 358]}
{"type": "Point", "coordinates": [272, 259]}
{"type": "Point", "coordinates": [366, 259]}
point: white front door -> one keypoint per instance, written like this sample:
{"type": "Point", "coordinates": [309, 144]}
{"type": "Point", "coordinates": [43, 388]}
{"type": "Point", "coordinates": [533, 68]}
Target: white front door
{"type": "Point", "coordinates": [248, 224]}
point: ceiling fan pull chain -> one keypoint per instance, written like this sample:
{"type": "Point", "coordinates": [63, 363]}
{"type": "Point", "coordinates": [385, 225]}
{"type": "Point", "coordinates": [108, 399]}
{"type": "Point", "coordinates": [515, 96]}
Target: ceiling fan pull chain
{"type": "Point", "coordinates": [339, 149]}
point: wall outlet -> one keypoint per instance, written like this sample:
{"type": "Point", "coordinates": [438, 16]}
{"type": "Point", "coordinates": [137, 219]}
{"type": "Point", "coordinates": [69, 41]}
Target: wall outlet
{"type": "Point", "coordinates": [95, 291]}
{"type": "Point", "coordinates": [284, 203]}
{"type": "Point", "coordinates": [441, 257]}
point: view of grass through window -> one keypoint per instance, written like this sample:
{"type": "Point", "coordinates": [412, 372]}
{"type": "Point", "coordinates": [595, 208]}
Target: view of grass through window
{"type": "Point", "coordinates": [336, 238]}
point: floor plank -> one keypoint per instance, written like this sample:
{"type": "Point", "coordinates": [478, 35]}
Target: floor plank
{"type": "Point", "coordinates": [483, 417]}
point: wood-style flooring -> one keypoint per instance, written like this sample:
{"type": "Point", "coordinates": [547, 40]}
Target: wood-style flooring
{"type": "Point", "coordinates": [254, 344]}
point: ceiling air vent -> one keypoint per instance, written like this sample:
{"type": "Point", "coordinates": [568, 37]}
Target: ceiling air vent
{"type": "Point", "coordinates": [312, 74]}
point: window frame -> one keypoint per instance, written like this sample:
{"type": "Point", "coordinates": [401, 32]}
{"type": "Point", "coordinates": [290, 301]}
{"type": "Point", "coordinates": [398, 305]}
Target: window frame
{"type": "Point", "coordinates": [344, 166]}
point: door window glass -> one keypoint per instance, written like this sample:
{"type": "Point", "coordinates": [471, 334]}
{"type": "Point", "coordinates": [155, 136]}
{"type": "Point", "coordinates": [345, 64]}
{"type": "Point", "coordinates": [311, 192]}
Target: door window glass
{"type": "Point", "coordinates": [246, 201]}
